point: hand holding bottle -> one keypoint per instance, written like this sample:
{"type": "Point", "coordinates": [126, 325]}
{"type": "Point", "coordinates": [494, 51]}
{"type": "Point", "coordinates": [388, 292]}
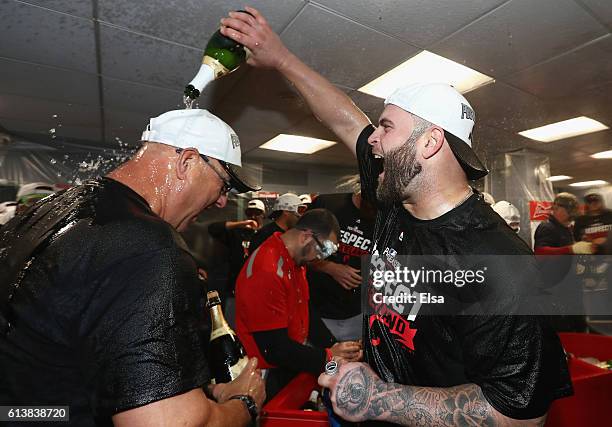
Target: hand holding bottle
{"type": "Point", "coordinates": [254, 32]}
{"type": "Point", "coordinates": [249, 382]}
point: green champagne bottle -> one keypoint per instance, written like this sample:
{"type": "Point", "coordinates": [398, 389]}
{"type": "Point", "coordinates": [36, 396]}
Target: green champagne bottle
{"type": "Point", "coordinates": [221, 56]}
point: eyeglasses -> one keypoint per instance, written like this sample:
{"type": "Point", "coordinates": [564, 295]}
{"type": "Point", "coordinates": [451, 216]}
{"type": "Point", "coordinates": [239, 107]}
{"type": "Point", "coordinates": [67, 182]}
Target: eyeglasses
{"type": "Point", "coordinates": [227, 186]}
{"type": "Point", "coordinates": [326, 248]}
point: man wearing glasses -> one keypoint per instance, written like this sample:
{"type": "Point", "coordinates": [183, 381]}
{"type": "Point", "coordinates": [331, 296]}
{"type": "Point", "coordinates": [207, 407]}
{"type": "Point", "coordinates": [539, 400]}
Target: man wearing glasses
{"type": "Point", "coordinates": [100, 300]}
{"type": "Point", "coordinates": [272, 318]}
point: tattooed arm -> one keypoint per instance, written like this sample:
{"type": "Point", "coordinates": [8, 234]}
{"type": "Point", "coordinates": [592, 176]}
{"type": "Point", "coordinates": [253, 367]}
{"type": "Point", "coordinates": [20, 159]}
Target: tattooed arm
{"type": "Point", "coordinates": [357, 394]}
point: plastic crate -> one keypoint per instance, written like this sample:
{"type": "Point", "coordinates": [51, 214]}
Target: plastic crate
{"type": "Point", "coordinates": [590, 405]}
{"type": "Point", "coordinates": [284, 409]}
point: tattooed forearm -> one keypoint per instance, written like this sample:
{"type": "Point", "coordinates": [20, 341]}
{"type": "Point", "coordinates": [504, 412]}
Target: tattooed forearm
{"type": "Point", "coordinates": [361, 395]}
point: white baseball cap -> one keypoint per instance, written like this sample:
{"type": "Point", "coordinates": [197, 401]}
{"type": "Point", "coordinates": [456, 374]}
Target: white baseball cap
{"type": "Point", "coordinates": [199, 129]}
{"type": "Point", "coordinates": [507, 211]}
{"type": "Point", "coordinates": [256, 204]}
{"type": "Point", "coordinates": [305, 198]}
{"type": "Point", "coordinates": [442, 105]}
{"type": "Point", "coordinates": [287, 202]}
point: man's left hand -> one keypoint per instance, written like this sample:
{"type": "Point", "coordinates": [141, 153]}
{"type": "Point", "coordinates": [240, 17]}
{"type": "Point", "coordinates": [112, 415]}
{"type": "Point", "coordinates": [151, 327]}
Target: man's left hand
{"type": "Point", "coordinates": [352, 389]}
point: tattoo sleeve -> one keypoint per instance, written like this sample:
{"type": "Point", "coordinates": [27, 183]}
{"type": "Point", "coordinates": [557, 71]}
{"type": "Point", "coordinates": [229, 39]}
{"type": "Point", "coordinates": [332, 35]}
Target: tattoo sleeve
{"type": "Point", "coordinates": [360, 394]}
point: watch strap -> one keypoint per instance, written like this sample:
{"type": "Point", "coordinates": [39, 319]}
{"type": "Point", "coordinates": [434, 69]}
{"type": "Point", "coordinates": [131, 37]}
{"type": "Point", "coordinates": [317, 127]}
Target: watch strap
{"type": "Point", "coordinates": [250, 405]}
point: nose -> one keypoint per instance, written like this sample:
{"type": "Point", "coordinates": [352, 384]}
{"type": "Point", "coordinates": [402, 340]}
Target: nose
{"type": "Point", "coordinates": [221, 201]}
{"type": "Point", "coordinates": [375, 137]}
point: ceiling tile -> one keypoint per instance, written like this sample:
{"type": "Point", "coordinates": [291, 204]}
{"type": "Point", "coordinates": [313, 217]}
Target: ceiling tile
{"type": "Point", "coordinates": [372, 106]}
{"type": "Point", "coordinates": [191, 22]}
{"type": "Point", "coordinates": [26, 79]}
{"type": "Point", "coordinates": [591, 67]}
{"type": "Point", "coordinates": [36, 35]}
{"type": "Point", "coordinates": [501, 106]}
{"type": "Point", "coordinates": [128, 96]}
{"type": "Point", "coordinates": [602, 9]}
{"type": "Point", "coordinates": [68, 132]}
{"type": "Point", "coordinates": [343, 50]}
{"type": "Point", "coordinates": [55, 114]}
{"type": "Point", "coordinates": [419, 23]}
{"type": "Point", "coordinates": [82, 8]}
{"type": "Point", "coordinates": [519, 34]}
{"type": "Point", "coordinates": [142, 59]}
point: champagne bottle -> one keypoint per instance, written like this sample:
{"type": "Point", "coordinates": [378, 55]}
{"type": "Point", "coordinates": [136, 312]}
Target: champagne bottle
{"type": "Point", "coordinates": [227, 355]}
{"type": "Point", "coordinates": [221, 56]}
{"type": "Point", "coordinates": [311, 403]}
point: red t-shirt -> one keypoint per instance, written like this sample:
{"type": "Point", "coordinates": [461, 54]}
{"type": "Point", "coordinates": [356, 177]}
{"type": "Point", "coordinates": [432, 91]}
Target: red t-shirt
{"type": "Point", "coordinates": [271, 293]}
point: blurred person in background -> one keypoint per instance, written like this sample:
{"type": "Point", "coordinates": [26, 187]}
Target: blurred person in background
{"type": "Point", "coordinates": [100, 301]}
{"type": "Point", "coordinates": [236, 237]}
{"type": "Point", "coordinates": [509, 213]}
{"type": "Point", "coordinates": [306, 200]}
{"type": "Point", "coordinates": [285, 214]}
{"type": "Point", "coordinates": [555, 235]}
{"type": "Point", "coordinates": [272, 314]}
{"type": "Point", "coordinates": [335, 283]}
{"type": "Point", "coordinates": [596, 222]}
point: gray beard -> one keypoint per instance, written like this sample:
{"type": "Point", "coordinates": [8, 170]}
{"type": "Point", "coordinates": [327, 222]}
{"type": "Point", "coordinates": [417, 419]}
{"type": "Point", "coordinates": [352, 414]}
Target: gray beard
{"type": "Point", "coordinates": [401, 167]}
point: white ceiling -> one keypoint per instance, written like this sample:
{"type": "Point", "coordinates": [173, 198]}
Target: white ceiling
{"type": "Point", "coordinates": [105, 66]}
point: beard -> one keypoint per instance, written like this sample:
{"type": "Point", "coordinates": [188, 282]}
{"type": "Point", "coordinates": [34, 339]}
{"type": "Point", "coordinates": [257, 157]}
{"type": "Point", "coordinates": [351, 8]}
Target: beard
{"type": "Point", "coordinates": [400, 167]}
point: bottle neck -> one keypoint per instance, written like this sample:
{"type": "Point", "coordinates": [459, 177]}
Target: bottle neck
{"type": "Point", "coordinates": [219, 324]}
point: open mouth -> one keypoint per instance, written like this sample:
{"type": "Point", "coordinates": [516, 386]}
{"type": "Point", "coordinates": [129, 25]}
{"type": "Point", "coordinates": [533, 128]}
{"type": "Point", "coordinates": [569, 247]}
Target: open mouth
{"type": "Point", "coordinates": [379, 165]}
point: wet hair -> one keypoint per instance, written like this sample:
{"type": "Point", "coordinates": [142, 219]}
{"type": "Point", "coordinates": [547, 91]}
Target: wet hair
{"type": "Point", "coordinates": [320, 221]}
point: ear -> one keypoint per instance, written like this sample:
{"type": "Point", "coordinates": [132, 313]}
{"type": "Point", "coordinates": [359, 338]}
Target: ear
{"type": "Point", "coordinates": [187, 159]}
{"type": "Point", "coordinates": [433, 143]}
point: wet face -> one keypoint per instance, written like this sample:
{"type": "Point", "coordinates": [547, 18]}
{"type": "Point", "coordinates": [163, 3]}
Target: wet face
{"type": "Point", "coordinates": [204, 188]}
{"type": "Point", "coordinates": [394, 141]}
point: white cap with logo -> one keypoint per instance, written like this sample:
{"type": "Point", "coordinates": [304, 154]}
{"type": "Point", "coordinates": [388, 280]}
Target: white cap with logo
{"type": "Point", "coordinates": [199, 129]}
{"type": "Point", "coordinates": [442, 105]}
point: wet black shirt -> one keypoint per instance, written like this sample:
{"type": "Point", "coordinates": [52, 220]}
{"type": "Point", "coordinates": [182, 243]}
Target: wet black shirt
{"type": "Point", "coordinates": [591, 227]}
{"type": "Point", "coordinates": [331, 299]}
{"type": "Point", "coordinates": [516, 360]}
{"type": "Point", "coordinates": [108, 315]}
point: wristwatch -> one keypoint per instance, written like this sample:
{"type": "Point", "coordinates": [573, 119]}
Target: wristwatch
{"type": "Point", "coordinates": [250, 405]}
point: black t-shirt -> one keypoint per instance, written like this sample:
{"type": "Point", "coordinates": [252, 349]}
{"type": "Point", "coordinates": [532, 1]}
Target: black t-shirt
{"type": "Point", "coordinates": [331, 299]}
{"type": "Point", "coordinates": [553, 234]}
{"type": "Point", "coordinates": [262, 235]}
{"type": "Point", "coordinates": [108, 316]}
{"type": "Point", "coordinates": [237, 241]}
{"type": "Point", "coordinates": [591, 227]}
{"type": "Point", "coordinates": [516, 360]}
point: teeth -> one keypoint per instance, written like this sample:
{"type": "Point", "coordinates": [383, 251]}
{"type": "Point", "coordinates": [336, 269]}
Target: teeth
{"type": "Point", "coordinates": [378, 156]}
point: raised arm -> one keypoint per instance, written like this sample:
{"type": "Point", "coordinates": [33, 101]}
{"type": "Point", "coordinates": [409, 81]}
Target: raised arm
{"type": "Point", "coordinates": [329, 104]}
{"type": "Point", "coordinates": [358, 394]}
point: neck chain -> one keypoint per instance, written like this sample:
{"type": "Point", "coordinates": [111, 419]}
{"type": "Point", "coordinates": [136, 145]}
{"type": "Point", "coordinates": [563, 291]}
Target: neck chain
{"type": "Point", "coordinates": [467, 196]}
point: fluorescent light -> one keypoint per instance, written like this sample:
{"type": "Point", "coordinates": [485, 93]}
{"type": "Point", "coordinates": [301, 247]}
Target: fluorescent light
{"type": "Point", "coordinates": [426, 67]}
{"type": "Point", "coordinates": [602, 155]}
{"type": "Point", "coordinates": [588, 183]}
{"type": "Point", "coordinates": [296, 144]}
{"type": "Point", "coordinates": [555, 178]}
{"type": "Point", "coordinates": [565, 129]}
